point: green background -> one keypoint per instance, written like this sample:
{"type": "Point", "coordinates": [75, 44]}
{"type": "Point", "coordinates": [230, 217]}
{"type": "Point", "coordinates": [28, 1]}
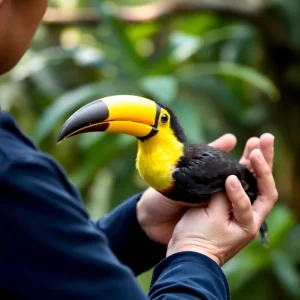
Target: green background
{"type": "Point", "coordinates": [228, 68]}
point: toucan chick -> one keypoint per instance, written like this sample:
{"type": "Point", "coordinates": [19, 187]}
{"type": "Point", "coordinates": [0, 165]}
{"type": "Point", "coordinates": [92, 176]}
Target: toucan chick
{"type": "Point", "coordinates": [165, 160]}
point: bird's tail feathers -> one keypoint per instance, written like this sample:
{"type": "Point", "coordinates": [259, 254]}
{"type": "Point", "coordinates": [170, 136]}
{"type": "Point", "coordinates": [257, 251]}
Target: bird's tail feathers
{"type": "Point", "coordinates": [251, 190]}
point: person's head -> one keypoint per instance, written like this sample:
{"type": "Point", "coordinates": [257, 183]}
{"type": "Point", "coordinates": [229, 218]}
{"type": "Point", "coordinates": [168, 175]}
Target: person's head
{"type": "Point", "coordinates": [19, 20]}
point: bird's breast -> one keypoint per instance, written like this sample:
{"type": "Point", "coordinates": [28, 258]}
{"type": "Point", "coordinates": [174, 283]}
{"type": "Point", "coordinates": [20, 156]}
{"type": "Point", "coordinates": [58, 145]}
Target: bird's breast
{"type": "Point", "coordinates": [156, 164]}
{"type": "Point", "coordinates": [156, 170]}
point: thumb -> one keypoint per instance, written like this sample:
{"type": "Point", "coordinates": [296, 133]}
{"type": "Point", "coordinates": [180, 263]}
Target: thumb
{"type": "Point", "coordinates": [242, 210]}
{"type": "Point", "coordinates": [220, 206]}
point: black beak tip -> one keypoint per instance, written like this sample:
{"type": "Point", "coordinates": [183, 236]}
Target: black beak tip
{"type": "Point", "coordinates": [88, 115]}
{"type": "Point", "coordinates": [59, 138]}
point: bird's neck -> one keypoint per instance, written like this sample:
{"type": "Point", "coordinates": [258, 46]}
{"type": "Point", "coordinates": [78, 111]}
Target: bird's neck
{"type": "Point", "coordinates": [156, 159]}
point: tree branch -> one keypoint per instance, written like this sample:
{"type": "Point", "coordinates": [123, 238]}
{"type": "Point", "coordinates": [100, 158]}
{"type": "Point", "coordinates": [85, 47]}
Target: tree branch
{"type": "Point", "coordinates": [151, 12]}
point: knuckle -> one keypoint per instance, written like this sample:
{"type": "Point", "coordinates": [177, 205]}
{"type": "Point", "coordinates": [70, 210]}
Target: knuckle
{"type": "Point", "coordinates": [253, 232]}
{"type": "Point", "coordinates": [275, 195]}
{"type": "Point", "coordinates": [245, 205]}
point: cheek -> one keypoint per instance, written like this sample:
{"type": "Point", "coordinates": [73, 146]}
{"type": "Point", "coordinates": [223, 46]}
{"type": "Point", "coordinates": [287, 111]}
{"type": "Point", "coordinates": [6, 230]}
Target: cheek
{"type": "Point", "coordinates": [18, 24]}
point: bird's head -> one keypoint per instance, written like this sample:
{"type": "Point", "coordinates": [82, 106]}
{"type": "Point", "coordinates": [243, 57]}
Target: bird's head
{"type": "Point", "coordinates": [136, 116]}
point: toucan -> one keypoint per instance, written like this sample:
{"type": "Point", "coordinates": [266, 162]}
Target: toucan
{"type": "Point", "coordinates": [165, 160]}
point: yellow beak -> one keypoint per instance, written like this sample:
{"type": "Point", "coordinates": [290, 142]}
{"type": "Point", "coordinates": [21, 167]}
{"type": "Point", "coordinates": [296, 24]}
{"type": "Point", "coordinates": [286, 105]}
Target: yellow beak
{"type": "Point", "coordinates": [126, 114]}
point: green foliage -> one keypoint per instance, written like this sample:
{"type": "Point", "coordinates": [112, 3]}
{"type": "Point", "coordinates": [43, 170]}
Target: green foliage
{"type": "Point", "coordinates": [210, 70]}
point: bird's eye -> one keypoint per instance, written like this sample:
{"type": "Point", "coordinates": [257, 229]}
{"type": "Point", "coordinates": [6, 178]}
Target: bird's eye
{"type": "Point", "coordinates": [164, 118]}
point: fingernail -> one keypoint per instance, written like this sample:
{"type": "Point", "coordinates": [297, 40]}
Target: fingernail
{"type": "Point", "coordinates": [234, 183]}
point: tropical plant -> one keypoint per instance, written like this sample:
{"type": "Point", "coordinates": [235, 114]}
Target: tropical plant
{"type": "Point", "coordinates": [221, 70]}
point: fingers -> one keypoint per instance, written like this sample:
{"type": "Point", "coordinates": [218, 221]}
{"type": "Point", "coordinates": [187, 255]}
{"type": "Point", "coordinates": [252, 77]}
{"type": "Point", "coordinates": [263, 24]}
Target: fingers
{"type": "Point", "coordinates": [242, 210]}
{"type": "Point", "coordinates": [252, 143]}
{"type": "Point", "coordinates": [220, 206]}
{"type": "Point", "coordinates": [267, 192]}
{"type": "Point", "coordinates": [226, 142]}
{"type": "Point", "coordinates": [266, 145]}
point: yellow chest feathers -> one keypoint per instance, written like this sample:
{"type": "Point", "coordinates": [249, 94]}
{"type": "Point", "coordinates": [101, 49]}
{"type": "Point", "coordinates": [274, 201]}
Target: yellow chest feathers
{"type": "Point", "coordinates": [156, 159]}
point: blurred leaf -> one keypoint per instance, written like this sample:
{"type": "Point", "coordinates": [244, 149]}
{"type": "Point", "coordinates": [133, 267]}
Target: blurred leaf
{"type": "Point", "coordinates": [103, 151]}
{"type": "Point", "coordinates": [244, 73]}
{"type": "Point", "coordinates": [292, 243]}
{"type": "Point", "coordinates": [210, 69]}
{"type": "Point", "coordinates": [100, 194]}
{"type": "Point", "coordinates": [34, 62]}
{"type": "Point", "coordinates": [243, 267]}
{"type": "Point", "coordinates": [85, 141]}
{"type": "Point", "coordinates": [9, 95]}
{"type": "Point", "coordinates": [89, 56]}
{"type": "Point", "coordinates": [286, 272]}
{"type": "Point", "coordinates": [287, 14]}
{"type": "Point", "coordinates": [143, 30]}
{"type": "Point", "coordinates": [279, 222]}
{"type": "Point", "coordinates": [64, 105]}
{"type": "Point", "coordinates": [255, 115]}
{"type": "Point", "coordinates": [128, 56]}
{"type": "Point", "coordinates": [192, 24]}
{"type": "Point", "coordinates": [69, 101]}
{"type": "Point", "coordinates": [190, 120]}
{"type": "Point", "coordinates": [184, 46]}
{"type": "Point", "coordinates": [124, 168]}
{"type": "Point", "coordinates": [144, 280]}
{"type": "Point", "coordinates": [214, 88]}
{"type": "Point", "coordinates": [163, 88]}
{"type": "Point", "coordinates": [231, 32]}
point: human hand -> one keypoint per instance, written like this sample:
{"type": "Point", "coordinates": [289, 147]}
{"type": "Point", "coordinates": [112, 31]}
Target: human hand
{"type": "Point", "coordinates": [229, 222]}
{"type": "Point", "coordinates": [158, 215]}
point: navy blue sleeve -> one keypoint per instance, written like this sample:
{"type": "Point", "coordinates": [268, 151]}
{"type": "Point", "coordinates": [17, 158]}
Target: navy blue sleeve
{"type": "Point", "coordinates": [189, 276]}
{"type": "Point", "coordinates": [50, 248]}
{"type": "Point", "coordinates": [127, 240]}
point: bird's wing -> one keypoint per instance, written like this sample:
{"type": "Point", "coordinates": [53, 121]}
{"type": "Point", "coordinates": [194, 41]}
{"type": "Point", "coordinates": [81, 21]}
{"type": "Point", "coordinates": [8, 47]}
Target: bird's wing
{"type": "Point", "coordinates": [203, 170]}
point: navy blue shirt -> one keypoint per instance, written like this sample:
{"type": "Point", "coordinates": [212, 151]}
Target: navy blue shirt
{"type": "Point", "coordinates": [50, 248]}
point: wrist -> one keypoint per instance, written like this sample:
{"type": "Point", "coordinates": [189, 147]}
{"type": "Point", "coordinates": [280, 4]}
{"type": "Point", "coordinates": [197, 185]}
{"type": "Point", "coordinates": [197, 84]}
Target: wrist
{"type": "Point", "coordinates": [191, 246]}
{"type": "Point", "coordinates": [141, 216]}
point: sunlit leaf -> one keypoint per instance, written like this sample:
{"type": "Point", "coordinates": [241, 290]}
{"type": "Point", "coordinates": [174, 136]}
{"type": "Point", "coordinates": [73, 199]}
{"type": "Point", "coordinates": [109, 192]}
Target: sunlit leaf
{"type": "Point", "coordinates": [184, 46]}
{"type": "Point", "coordinates": [144, 280]}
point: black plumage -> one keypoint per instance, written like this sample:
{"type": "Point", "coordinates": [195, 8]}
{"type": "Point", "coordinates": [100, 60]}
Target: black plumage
{"type": "Point", "coordinates": [202, 170]}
